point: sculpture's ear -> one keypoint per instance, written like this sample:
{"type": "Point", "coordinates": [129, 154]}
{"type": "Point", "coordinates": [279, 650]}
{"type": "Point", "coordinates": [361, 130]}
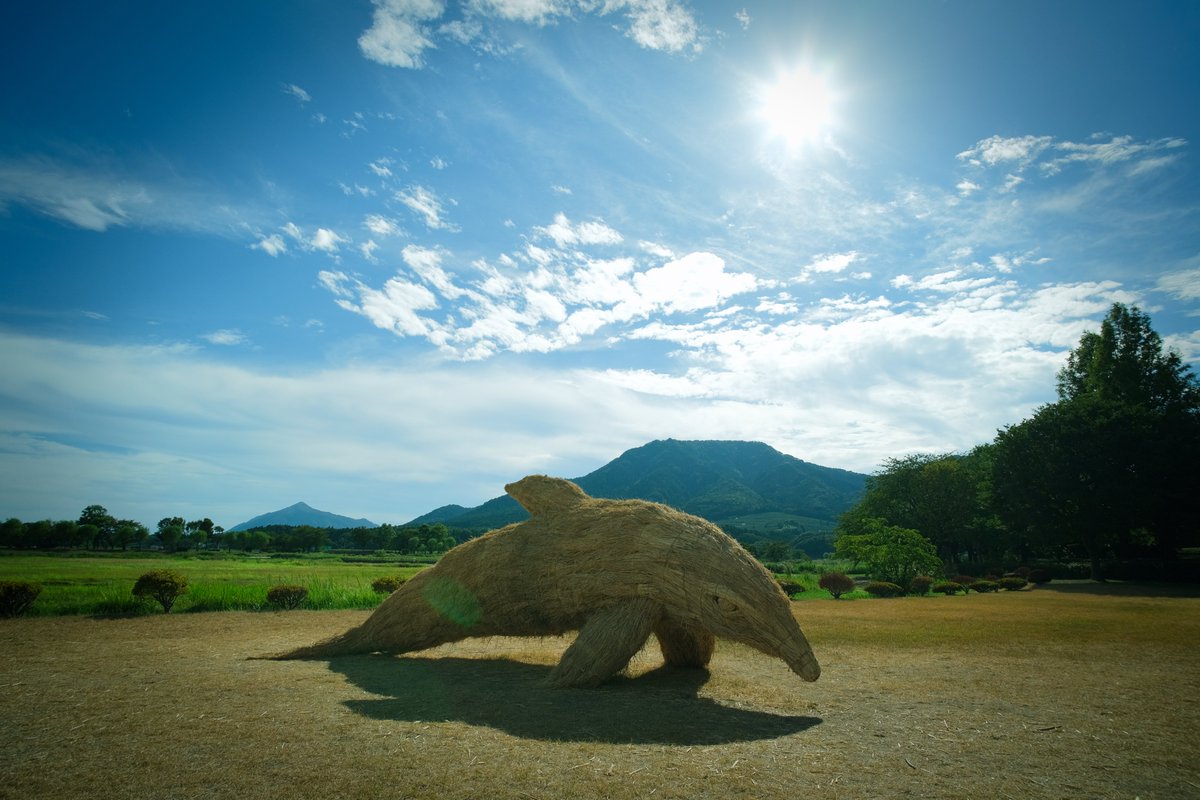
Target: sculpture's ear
{"type": "Point", "coordinates": [541, 493]}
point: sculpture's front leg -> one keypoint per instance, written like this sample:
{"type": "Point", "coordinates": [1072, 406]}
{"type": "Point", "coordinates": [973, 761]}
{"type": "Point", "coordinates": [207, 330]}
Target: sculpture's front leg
{"type": "Point", "coordinates": [605, 644]}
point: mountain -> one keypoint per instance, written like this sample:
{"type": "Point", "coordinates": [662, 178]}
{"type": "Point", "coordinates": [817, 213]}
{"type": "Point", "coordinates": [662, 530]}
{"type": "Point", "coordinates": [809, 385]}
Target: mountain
{"type": "Point", "coordinates": [303, 514]}
{"type": "Point", "coordinates": [750, 488]}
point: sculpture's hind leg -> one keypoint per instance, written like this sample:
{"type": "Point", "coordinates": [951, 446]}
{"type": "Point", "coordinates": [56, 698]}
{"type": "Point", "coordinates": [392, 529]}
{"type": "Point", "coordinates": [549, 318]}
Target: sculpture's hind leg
{"type": "Point", "coordinates": [683, 646]}
{"type": "Point", "coordinates": [605, 644]}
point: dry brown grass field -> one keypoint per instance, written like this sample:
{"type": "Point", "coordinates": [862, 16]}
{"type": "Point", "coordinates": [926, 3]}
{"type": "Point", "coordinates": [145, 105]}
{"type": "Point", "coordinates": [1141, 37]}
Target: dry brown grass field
{"type": "Point", "coordinates": [1074, 691]}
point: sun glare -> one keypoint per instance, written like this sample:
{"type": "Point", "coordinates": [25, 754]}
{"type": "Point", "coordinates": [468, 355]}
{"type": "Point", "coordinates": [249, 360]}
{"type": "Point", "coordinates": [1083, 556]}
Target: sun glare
{"type": "Point", "coordinates": [797, 107]}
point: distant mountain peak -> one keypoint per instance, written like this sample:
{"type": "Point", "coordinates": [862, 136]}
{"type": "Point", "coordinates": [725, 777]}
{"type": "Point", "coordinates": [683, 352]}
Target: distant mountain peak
{"type": "Point", "coordinates": [749, 485]}
{"type": "Point", "coordinates": [303, 514]}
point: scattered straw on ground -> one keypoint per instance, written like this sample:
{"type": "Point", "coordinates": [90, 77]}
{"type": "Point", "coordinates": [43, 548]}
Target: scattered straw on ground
{"type": "Point", "coordinates": [1040, 693]}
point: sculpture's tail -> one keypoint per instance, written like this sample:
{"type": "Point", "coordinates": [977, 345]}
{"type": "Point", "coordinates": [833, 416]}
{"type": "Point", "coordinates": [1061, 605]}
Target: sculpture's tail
{"type": "Point", "coordinates": [352, 642]}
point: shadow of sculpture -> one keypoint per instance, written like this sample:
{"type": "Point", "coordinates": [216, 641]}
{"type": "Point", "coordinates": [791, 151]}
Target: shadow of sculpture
{"type": "Point", "coordinates": [658, 707]}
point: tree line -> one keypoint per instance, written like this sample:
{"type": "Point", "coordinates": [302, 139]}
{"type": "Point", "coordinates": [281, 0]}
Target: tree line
{"type": "Point", "coordinates": [1108, 473]}
{"type": "Point", "coordinates": [96, 529]}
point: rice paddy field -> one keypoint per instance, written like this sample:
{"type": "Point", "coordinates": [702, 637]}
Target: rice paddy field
{"type": "Point", "coordinates": [1063, 691]}
{"type": "Point", "coordinates": [101, 584]}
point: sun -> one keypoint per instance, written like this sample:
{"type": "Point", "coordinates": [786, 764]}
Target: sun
{"type": "Point", "coordinates": [797, 107]}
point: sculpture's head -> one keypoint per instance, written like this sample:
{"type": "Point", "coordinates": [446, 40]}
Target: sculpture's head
{"type": "Point", "coordinates": [734, 597]}
{"type": "Point", "coordinates": [540, 494]}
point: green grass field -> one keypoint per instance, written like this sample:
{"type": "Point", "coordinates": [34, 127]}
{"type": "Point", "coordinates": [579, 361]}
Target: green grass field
{"type": "Point", "coordinates": [102, 584]}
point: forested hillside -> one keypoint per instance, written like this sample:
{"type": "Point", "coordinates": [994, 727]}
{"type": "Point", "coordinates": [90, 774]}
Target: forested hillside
{"type": "Point", "coordinates": [752, 489]}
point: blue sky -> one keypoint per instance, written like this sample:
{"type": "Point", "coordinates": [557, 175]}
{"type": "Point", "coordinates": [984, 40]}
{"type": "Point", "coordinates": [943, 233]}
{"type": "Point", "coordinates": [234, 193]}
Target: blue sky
{"type": "Point", "coordinates": [382, 256]}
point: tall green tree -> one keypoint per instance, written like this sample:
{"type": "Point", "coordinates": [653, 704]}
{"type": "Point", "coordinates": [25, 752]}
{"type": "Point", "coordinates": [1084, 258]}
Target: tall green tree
{"type": "Point", "coordinates": [891, 553]}
{"type": "Point", "coordinates": [1126, 363]}
{"type": "Point", "coordinates": [944, 496]}
{"type": "Point", "coordinates": [105, 523]}
{"type": "Point", "coordinates": [1116, 461]}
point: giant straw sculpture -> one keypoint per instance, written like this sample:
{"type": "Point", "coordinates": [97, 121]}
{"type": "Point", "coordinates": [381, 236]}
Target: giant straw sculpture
{"type": "Point", "coordinates": [615, 570]}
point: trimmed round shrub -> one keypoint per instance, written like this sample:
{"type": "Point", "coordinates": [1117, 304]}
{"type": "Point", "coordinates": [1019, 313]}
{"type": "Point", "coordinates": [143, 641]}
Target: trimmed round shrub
{"type": "Point", "coordinates": [948, 587]}
{"type": "Point", "coordinates": [286, 597]}
{"type": "Point", "coordinates": [387, 584]}
{"type": "Point", "coordinates": [1039, 576]}
{"type": "Point", "coordinates": [17, 596]}
{"type": "Point", "coordinates": [1012, 584]}
{"type": "Point", "coordinates": [836, 583]}
{"type": "Point", "coordinates": [883, 589]}
{"type": "Point", "coordinates": [790, 588]}
{"type": "Point", "coordinates": [163, 585]}
{"type": "Point", "coordinates": [1022, 572]}
{"type": "Point", "coordinates": [964, 582]}
{"type": "Point", "coordinates": [983, 587]}
{"type": "Point", "coordinates": [920, 584]}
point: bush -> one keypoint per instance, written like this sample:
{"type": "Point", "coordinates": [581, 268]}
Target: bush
{"type": "Point", "coordinates": [1039, 576]}
{"type": "Point", "coordinates": [883, 589]}
{"type": "Point", "coordinates": [1022, 572]}
{"type": "Point", "coordinates": [163, 585]}
{"type": "Point", "coordinates": [948, 587]}
{"type": "Point", "coordinates": [387, 584]}
{"type": "Point", "coordinates": [983, 587]}
{"type": "Point", "coordinates": [17, 596]}
{"type": "Point", "coordinates": [920, 584]}
{"type": "Point", "coordinates": [836, 583]}
{"type": "Point", "coordinates": [286, 597]}
{"type": "Point", "coordinates": [964, 582]}
{"type": "Point", "coordinates": [790, 588]}
{"type": "Point", "coordinates": [1012, 584]}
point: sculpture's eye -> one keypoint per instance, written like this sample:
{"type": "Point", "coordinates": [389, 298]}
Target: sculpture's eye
{"type": "Point", "coordinates": [724, 606]}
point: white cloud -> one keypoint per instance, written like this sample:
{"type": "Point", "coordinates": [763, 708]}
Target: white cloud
{"type": "Point", "coordinates": [227, 337]}
{"type": "Point", "coordinates": [1017, 154]}
{"type": "Point", "coordinates": [327, 241]}
{"type": "Point", "coordinates": [694, 282]}
{"type": "Point", "coordinates": [743, 18]}
{"type": "Point", "coordinates": [381, 225]}
{"type": "Point", "coordinates": [656, 249]}
{"type": "Point", "coordinates": [403, 30]}
{"type": "Point", "coordinates": [97, 195]}
{"type": "Point", "coordinates": [397, 37]}
{"type": "Point", "coordinates": [1184, 284]}
{"type": "Point", "coordinates": [564, 233]}
{"type": "Point", "coordinates": [536, 12]}
{"type": "Point", "coordinates": [439, 163]}
{"type": "Point", "coordinates": [426, 205]}
{"type": "Point", "coordinates": [1117, 149]}
{"type": "Point", "coordinates": [830, 263]}
{"type": "Point", "coordinates": [296, 92]}
{"type": "Point", "coordinates": [427, 263]}
{"type": "Point", "coordinates": [368, 249]}
{"type": "Point", "coordinates": [1019, 150]}
{"type": "Point", "coordinates": [272, 245]}
{"type": "Point", "coordinates": [659, 24]}
{"type": "Point", "coordinates": [1011, 182]}
{"type": "Point", "coordinates": [381, 167]}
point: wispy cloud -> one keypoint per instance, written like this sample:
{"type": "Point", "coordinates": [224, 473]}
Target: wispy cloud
{"type": "Point", "coordinates": [97, 197]}
{"type": "Point", "coordinates": [563, 232]}
{"type": "Point", "coordinates": [226, 337]}
{"type": "Point", "coordinates": [399, 35]}
{"type": "Point", "coordinates": [427, 205]}
{"type": "Point", "coordinates": [403, 30]}
{"type": "Point", "coordinates": [273, 245]}
{"type": "Point", "coordinates": [296, 92]}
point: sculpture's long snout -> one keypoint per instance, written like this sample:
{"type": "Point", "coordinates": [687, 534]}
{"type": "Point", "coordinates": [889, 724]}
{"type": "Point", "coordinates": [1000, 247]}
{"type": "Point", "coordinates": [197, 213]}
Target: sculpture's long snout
{"type": "Point", "coordinates": [805, 665]}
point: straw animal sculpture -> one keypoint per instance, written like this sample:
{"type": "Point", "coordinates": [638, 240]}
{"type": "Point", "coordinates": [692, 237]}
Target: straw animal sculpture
{"type": "Point", "coordinates": [614, 570]}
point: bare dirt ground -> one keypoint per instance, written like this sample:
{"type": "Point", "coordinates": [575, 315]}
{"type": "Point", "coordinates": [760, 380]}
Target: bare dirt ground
{"type": "Point", "coordinates": [1044, 693]}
